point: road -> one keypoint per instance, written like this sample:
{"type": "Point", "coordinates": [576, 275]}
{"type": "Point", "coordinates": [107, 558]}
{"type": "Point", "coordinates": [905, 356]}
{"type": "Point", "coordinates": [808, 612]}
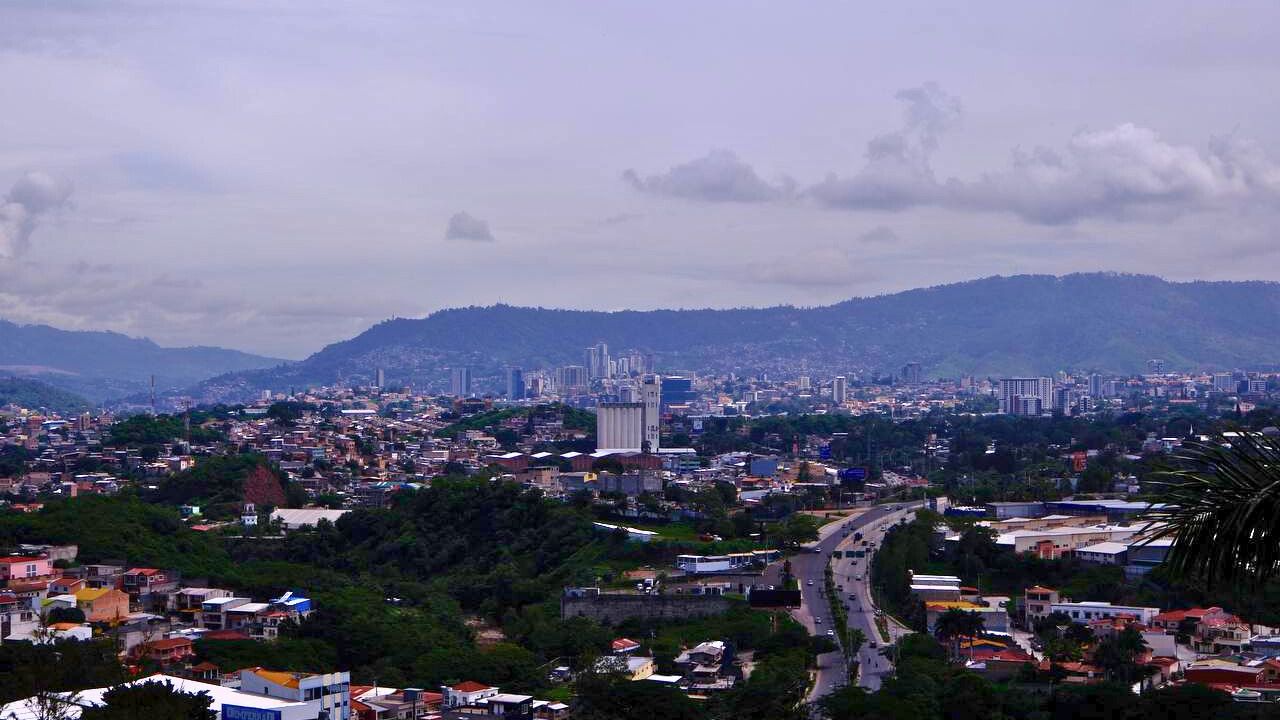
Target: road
{"type": "Point", "coordinates": [853, 577]}
{"type": "Point", "coordinates": [815, 612]}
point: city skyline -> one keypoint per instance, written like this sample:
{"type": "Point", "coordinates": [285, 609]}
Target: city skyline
{"type": "Point", "coordinates": [200, 175]}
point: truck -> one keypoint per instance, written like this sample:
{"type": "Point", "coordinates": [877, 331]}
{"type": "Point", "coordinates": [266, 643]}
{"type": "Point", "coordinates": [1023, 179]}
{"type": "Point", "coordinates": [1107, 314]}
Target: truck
{"type": "Point", "coordinates": [857, 536]}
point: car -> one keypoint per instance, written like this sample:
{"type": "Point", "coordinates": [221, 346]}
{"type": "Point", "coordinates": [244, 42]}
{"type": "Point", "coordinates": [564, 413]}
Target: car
{"type": "Point", "coordinates": [831, 633]}
{"type": "Point", "coordinates": [809, 583]}
{"type": "Point", "coordinates": [817, 621]}
{"type": "Point", "coordinates": [858, 578]}
{"type": "Point", "coordinates": [873, 645]}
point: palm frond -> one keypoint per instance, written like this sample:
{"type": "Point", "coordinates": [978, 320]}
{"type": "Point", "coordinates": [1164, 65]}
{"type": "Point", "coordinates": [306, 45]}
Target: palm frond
{"type": "Point", "coordinates": [1221, 507]}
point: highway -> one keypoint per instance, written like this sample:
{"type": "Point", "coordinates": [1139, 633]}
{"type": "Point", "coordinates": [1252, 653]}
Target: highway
{"type": "Point", "coordinates": [815, 612]}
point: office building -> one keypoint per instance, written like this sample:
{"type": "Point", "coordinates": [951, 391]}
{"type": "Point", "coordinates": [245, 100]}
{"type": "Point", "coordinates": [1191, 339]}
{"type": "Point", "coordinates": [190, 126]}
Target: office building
{"type": "Point", "coordinates": [461, 383]}
{"type": "Point", "coordinates": [572, 379]}
{"type": "Point", "coordinates": [1095, 385]}
{"type": "Point", "coordinates": [677, 390]}
{"type": "Point", "coordinates": [1155, 366]}
{"type": "Point", "coordinates": [838, 389]}
{"type": "Point", "coordinates": [380, 378]}
{"type": "Point", "coordinates": [1257, 387]}
{"type": "Point", "coordinates": [804, 383]}
{"type": "Point", "coordinates": [912, 374]}
{"type": "Point", "coordinates": [1013, 391]}
{"type": "Point", "coordinates": [1224, 382]}
{"type": "Point", "coordinates": [597, 361]}
{"type": "Point", "coordinates": [515, 384]}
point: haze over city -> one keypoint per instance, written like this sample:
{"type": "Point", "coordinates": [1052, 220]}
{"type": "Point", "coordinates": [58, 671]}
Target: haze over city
{"type": "Point", "coordinates": [277, 176]}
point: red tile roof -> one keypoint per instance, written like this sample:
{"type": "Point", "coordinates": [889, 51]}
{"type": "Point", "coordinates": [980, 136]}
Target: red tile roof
{"type": "Point", "coordinates": [13, 560]}
{"type": "Point", "coordinates": [470, 686]}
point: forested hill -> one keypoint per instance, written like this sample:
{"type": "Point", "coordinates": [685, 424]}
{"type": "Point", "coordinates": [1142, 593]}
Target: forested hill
{"type": "Point", "coordinates": [101, 365]}
{"type": "Point", "coordinates": [996, 325]}
{"type": "Point", "coordinates": [35, 395]}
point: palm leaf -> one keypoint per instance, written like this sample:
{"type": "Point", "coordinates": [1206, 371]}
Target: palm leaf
{"type": "Point", "coordinates": [1221, 507]}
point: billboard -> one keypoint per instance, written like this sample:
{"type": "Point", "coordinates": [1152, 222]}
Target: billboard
{"type": "Point", "coordinates": [856, 474]}
{"type": "Point", "coordinates": [775, 598]}
{"type": "Point", "coordinates": [240, 712]}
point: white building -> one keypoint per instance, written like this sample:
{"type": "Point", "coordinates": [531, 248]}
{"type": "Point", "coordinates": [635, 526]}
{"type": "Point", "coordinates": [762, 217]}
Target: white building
{"type": "Point", "coordinates": [1083, 612]}
{"type": "Point", "coordinates": [651, 396]}
{"type": "Point", "coordinates": [838, 390]}
{"type": "Point", "coordinates": [632, 426]}
{"type": "Point", "coordinates": [227, 703]}
{"type": "Point", "coordinates": [1018, 395]}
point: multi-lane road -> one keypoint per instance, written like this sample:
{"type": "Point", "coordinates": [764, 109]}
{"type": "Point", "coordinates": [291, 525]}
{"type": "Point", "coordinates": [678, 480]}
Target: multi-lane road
{"type": "Point", "coordinates": [815, 611]}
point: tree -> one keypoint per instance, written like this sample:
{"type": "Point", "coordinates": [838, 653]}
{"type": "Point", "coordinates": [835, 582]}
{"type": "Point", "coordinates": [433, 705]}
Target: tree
{"type": "Point", "coordinates": [955, 624]}
{"type": "Point", "coordinates": [602, 696]}
{"type": "Point", "coordinates": [1220, 505]}
{"type": "Point", "coordinates": [149, 701]}
{"type": "Point", "coordinates": [65, 615]}
{"type": "Point", "coordinates": [1118, 654]}
{"type": "Point", "coordinates": [798, 528]}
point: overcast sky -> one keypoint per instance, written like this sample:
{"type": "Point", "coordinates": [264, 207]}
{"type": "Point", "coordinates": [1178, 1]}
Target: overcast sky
{"type": "Point", "coordinates": [277, 176]}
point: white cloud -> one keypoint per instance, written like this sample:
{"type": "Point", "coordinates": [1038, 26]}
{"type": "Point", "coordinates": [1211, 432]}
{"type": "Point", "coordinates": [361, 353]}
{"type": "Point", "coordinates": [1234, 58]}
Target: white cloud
{"type": "Point", "coordinates": [718, 176]}
{"type": "Point", "coordinates": [31, 197]}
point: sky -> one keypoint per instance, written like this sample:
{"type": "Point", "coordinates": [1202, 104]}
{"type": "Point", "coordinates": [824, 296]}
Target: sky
{"type": "Point", "coordinates": [276, 176]}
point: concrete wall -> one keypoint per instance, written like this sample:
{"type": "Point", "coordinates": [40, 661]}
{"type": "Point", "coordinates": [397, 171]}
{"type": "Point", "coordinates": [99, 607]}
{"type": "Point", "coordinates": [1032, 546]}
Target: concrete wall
{"type": "Point", "coordinates": [610, 609]}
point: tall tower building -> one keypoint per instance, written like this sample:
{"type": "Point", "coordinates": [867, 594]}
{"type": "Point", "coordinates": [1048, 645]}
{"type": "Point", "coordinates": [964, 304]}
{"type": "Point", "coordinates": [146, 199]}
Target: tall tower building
{"type": "Point", "coordinates": [912, 373]}
{"type": "Point", "coordinates": [838, 390]}
{"type": "Point", "coordinates": [1026, 396]}
{"type": "Point", "coordinates": [461, 382]}
{"type": "Point", "coordinates": [380, 378]}
{"type": "Point", "coordinates": [515, 384]}
{"type": "Point", "coordinates": [651, 397]}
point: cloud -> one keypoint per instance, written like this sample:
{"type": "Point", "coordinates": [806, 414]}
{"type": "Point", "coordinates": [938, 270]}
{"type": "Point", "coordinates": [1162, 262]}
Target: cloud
{"type": "Point", "coordinates": [30, 198]}
{"type": "Point", "coordinates": [1127, 172]}
{"type": "Point", "coordinates": [718, 176]}
{"type": "Point", "coordinates": [464, 226]}
{"type": "Point", "coordinates": [1124, 172]}
{"type": "Point", "coordinates": [898, 174]}
{"type": "Point", "coordinates": [879, 234]}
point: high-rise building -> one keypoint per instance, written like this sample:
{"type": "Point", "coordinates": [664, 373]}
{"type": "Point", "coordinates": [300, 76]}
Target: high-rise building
{"type": "Point", "coordinates": [380, 378]}
{"type": "Point", "coordinates": [1257, 386]}
{"type": "Point", "coordinates": [461, 382]}
{"type": "Point", "coordinates": [1011, 389]}
{"type": "Point", "coordinates": [1155, 366]}
{"type": "Point", "coordinates": [651, 396]}
{"type": "Point", "coordinates": [1095, 385]}
{"type": "Point", "coordinates": [572, 379]}
{"type": "Point", "coordinates": [912, 373]}
{"type": "Point", "coordinates": [677, 390]}
{"type": "Point", "coordinates": [1224, 382]}
{"type": "Point", "coordinates": [838, 390]}
{"type": "Point", "coordinates": [515, 384]}
{"type": "Point", "coordinates": [803, 382]}
{"type": "Point", "coordinates": [597, 360]}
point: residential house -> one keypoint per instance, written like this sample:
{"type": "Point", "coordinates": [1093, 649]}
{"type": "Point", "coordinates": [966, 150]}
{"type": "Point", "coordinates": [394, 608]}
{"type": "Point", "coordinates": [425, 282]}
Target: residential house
{"type": "Point", "coordinates": [103, 605]}
{"type": "Point", "coordinates": [189, 601]}
{"type": "Point", "coordinates": [1037, 603]}
{"type": "Point", "coordinates": [165, 652]}
{"type": "Point", "coordinates": [149, 587]}
{"type": "Point", "coordinates": [24, 568]}
{"type": "Point", "coordinates": [1226, 672]}
{"type": "Point", "coordinates": [213, 611]}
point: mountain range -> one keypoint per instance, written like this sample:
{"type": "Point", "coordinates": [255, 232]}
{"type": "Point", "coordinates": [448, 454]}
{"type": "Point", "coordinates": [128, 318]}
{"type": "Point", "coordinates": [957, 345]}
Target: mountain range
{"type": "Point", "coordinates": [106, 365]}
{"type": "Point", "coordinates": [1025, 324]}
